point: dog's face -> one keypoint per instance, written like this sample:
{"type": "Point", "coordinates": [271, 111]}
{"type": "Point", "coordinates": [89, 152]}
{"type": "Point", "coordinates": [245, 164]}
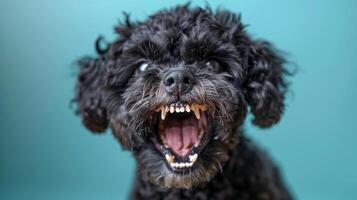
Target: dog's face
{"type": "Point", "coordinates": [176, 88]}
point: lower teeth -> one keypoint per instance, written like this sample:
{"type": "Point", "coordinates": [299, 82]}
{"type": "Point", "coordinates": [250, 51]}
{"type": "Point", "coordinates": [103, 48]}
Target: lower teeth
{"type": "Point", "coordinates": [181, 165]}
{"type": "Point", "coordinates": [170, 159]}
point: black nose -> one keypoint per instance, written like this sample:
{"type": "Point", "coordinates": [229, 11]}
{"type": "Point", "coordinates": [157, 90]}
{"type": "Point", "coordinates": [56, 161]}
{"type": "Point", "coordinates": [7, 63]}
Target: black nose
{"type": "Point", "coordinates": [178, 82]}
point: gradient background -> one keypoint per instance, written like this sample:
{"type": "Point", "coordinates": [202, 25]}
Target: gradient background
{"type": "Point", "coordinates": [45, 152]}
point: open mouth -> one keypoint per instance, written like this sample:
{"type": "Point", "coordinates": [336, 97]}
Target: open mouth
{"type": "Point", "coordinates": [182, 131]}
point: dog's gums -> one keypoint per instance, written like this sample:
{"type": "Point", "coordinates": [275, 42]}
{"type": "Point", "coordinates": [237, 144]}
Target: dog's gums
{"type": "Point", "coordinates": [181, 129]}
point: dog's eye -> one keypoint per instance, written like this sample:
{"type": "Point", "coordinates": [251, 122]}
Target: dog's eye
{"type": "Point", "coordinates": [143, 66]}
{"type": "Point", "coordinates": [214, 66]}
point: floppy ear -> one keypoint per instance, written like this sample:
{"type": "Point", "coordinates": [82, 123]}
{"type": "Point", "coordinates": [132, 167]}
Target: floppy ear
{"type": "Point", "coordinates": [265, 86]}
{"type": "Point", "coordinates": [96, 75]}
{"type": "Point", "coordinates": [90, 97]}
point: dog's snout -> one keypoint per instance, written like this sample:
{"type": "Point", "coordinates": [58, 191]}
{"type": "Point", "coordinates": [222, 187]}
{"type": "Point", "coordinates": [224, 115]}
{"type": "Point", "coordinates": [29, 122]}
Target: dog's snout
{"type": "Point", "coordinates": [178, 82]}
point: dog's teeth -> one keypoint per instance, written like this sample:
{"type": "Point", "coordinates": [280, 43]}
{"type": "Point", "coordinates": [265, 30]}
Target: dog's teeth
{"type": "Point", "coordinates": [181, 165]}
{"type": "Point", "coordinates": [196, 110]}
{"type": "Point", "coordinates": [177, 109]}
{"type": "Point", "coordinates": [169, 158]}
{"type": "Point", "coordinates": [182, 109]}
{"type": "Point", "coordinates": [193, 158]}
{"type": "Point", "coordinates": [163, 113]}
{"type": "Point", "coordinates": [172, 109]}
{"type": "Point", "coordinates": [188, 109]}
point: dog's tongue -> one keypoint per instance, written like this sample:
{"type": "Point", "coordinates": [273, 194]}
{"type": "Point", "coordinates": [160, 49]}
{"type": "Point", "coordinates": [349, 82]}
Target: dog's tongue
{"type": "Point", "coordinates": [181, 134]}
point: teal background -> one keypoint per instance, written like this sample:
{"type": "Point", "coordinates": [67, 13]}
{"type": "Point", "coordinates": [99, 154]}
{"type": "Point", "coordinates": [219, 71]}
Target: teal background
{"type": "Point", "coordinates": [45, 152]}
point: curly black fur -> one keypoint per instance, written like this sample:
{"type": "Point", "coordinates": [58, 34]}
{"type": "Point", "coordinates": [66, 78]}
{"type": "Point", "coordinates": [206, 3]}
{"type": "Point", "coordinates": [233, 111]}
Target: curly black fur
{"type": "Point", "coordinates": [112, 92]}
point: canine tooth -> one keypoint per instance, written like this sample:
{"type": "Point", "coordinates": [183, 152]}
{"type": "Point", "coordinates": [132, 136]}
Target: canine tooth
{"type": "Point", "coordinates": [188, 109]}
{"type": "Point", "coordinates": [169, 158]}
{"type": "Point", "coordinates": [163, 113]}
{"type": "Point", "coordinates": [193, 158]}
{"type": "Point", "coordinates": [196, 110]}
{"type": "Point", "coordinates": [172, 109]}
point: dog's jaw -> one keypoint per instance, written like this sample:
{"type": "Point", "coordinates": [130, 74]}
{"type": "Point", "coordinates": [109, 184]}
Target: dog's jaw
{"type": "Point", "coordinates": [186, 147]}
{"type": "Point", "coordinates": [183, 138]}
{"type": "Point", "coordinates": [182, 127]}
{"type": "Point", "coordinates": [153, 167]}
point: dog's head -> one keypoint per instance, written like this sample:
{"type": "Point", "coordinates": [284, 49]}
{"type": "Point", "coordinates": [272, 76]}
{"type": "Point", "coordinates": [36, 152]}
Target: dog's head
{"type": "Point", "coordinates": [176, 88]}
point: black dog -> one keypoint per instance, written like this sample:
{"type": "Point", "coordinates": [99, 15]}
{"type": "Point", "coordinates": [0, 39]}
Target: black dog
{"type": "Point", "coordinates": [175, 90]}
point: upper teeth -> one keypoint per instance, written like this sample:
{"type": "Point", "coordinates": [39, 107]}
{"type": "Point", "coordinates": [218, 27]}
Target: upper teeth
{"type": "Point", "coordinates": [196, 108]}
{"type": "Point", "coordinates": [170, 159]}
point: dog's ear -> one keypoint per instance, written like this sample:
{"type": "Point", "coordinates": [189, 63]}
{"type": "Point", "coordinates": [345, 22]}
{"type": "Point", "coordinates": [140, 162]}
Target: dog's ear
{"type": "Point", "coordinates": [264, 83]}
{"type": "Point", "coordinates": [90, 96]}
{"type": "Point", "coordinates": [94, 76]}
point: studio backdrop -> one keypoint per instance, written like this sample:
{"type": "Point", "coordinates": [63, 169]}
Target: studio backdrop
{"type": "Point", "coordinates": [46, 153]}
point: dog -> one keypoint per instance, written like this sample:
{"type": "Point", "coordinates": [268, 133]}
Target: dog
{"type": "Point", "coordinates": [175, 90]}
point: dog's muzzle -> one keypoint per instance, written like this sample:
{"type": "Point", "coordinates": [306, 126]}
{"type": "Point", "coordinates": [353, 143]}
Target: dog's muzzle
{"type": "Point", "coordinates": [178, 81]}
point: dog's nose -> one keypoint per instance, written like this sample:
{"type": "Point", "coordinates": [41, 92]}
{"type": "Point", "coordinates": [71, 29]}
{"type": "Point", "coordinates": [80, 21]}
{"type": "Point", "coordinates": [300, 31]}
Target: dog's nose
{"type": "Point", "coordinates": [178, 82]}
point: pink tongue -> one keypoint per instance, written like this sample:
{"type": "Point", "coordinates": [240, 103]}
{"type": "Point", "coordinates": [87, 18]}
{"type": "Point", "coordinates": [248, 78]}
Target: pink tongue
{"type": "Point", "coordinates": [181, 135]}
